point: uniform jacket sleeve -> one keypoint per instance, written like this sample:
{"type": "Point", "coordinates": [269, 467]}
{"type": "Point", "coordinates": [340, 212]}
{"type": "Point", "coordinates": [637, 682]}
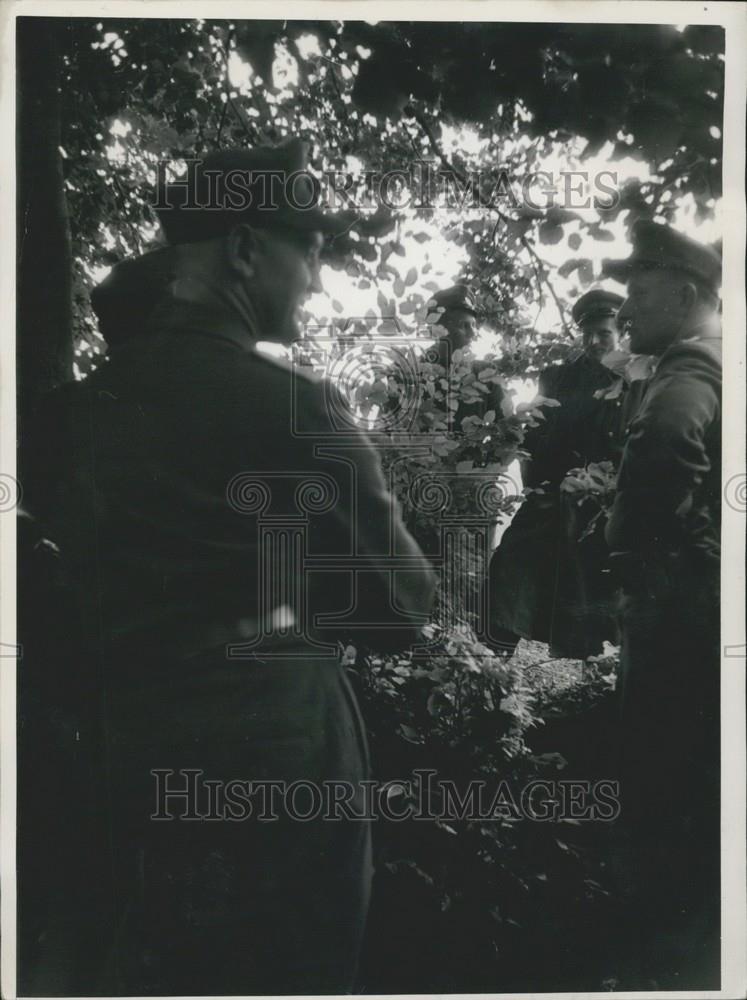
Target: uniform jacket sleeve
{"type": "Point", "coordinates": [536, 438]}
{"type": "Point", "coordinates": [666, 455]}
{"type": "Point", "coordinates": [394, 602]}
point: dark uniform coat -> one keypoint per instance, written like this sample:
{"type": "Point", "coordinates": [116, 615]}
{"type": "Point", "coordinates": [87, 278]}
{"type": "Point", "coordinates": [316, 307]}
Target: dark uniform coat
{"type": "Point", "coordinates": [154, 476]}
{"type": "Point", "coordinates": [664, 532]}
{"type": "Point", "coordinates": [544, 583]}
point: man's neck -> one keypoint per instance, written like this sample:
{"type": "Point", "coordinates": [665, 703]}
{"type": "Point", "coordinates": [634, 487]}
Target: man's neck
{"type": "Point", "coordinates": [701, 327]}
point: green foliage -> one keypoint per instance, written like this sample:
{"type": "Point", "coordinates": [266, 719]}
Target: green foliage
{"type": "Point", "coordinates": [453, 699]}
{"type": "Point", "coordinates": [468, 901]}
{"type": "Point", "coordinates": [593, 485]}
{"type": "Point", "coordinates": [464, 413]}
{"type": "Point", "coordinates": [136, 91]}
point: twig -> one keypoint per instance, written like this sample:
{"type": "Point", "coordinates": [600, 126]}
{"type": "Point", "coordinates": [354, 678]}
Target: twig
{"type": "Point", "coordinates": [539, 266]}
{"type": "Point", "coordinates": [221, 122]}
{"type": "Point", "coordinates": [333, 74]}
{"type": "Point", "coordinates": [229, 100]}
{"type": "Point", "coordinates": [484, 203]}
{"type": "Point", "coordinates": [224, 112]}
{"type": "Point", "coordinates": [134, 234]}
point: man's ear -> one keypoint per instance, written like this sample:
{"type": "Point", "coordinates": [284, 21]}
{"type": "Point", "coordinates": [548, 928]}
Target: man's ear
{"type": "Point", "coordinates": [242, 247]}
{"type": "Point", "coordinates": [688, 295]}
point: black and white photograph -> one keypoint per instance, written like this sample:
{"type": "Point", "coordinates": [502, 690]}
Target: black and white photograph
{"type": "Point", "coordinates": [372, 413]}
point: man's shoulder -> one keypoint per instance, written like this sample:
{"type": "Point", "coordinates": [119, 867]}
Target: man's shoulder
{"type": "Point", "coordinates": [551, 373]}
{"type": "Point", "coordinates": [317, 404]}
{"type": "Point", "coordinates": [282, 369]}
{"type": "Point", "coordinates": [279, 377]}
{"type": "Point", "coordinates": [686, 385]}
{"type": "Point", "coordinates": [704, 354]}
{"type": "Point", "coordinates": [562, 377]}
{"type": "Point", "coordinates": [271, 377]}
{"type": "Point", "coordinates": [690, 367]}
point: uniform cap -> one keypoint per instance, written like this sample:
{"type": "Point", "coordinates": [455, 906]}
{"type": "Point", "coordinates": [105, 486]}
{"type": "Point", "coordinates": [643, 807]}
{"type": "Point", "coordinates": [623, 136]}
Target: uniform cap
{"type": "Point", "coordinates": [456, 297]}
{"type": "Point", "coordinates": [267, 187]}
{"type": "Point", "coordinates": [597, 302]}
{"type": "Point", "coordinates": [659, 246]}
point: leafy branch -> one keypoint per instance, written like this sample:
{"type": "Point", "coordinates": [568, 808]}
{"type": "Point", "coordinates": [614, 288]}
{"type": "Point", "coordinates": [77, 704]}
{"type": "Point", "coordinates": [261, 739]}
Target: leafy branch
{"type": "Point", "coordinates": [540, 268]}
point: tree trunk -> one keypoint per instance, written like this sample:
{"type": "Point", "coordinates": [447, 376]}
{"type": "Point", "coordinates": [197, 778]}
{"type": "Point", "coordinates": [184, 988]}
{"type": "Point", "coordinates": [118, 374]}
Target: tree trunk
{"type": "Point", "coordinates": [44, 300]}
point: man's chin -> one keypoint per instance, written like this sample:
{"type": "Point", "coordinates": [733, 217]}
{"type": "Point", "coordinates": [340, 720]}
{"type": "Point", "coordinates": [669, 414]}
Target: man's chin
{"type": "Point", "coordinates": [290, 329]}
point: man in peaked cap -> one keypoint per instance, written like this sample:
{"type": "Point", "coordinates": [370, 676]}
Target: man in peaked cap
{"type": "Point", "coordinates": [454, 311]}
{"type": "Point", "coordinates": [174, 480]}
{"type": "Point", "coordinates": [659, 253]}
{"type": "Point", "coordinates": [458, 314]}
{"type": "Point", "coordinates": [459, 319]}
{"type": "Point", "coordinates": [271, 183]}
{"type": "Point", "coordinates": [664, 532]}
{"type": "Point", "coordinates": [595, 315]}
{"type": "Point", "coordinates": [546, 582]}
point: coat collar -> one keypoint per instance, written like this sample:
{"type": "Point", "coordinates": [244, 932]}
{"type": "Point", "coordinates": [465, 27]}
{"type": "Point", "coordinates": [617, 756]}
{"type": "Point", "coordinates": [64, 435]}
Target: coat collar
{"type": "Point", "coordinates": [176, 315]}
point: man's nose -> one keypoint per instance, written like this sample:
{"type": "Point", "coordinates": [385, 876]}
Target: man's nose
{"type": "Point", "coordinates": [316, 279]}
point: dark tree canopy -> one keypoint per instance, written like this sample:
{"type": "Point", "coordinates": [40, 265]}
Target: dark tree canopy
{"type": "Point", "coordinates": [136, 91]}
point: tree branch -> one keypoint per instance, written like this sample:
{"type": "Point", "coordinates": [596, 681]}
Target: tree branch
{"type": "Point", "coordinates": [229, 100]}
{"type": "Point", "coordinates": [540, 268]}
{"type": "Point", "coordinates": [541, 272]}
{"type": "Point", "coordinates": [332, 73]}
{"type": "Point", "coordinates": [221, 122]}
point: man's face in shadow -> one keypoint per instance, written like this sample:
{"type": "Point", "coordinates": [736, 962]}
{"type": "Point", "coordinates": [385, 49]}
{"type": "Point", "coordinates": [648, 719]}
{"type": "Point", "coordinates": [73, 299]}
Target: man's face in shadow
{"type": "Point", "coordinates": [600, 336]}
{"type": "Point", "coordinates": [461, 328]}
{"type": "Point", "coordinates": [658, 305]}
{"type": "Point", "coordinates": [286, 272]}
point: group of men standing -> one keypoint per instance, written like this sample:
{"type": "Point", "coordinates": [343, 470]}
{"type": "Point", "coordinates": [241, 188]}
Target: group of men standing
{"type": "Point", "coordinates": [547, 579]}
{"type": "Point", "coordinates": [166, 565]}
{"type": "Point", "coordinates": [648, 575]}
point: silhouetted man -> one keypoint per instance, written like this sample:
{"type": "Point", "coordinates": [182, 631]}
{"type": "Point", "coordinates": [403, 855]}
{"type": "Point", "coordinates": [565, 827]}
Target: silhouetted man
{"type": "Point", "coordinates": [545, 582]}
{"type": "Point", "coordinates": [458, 316]}
{"type": "Point", "coordinates": [182, 483]}
{"type": "Point", "coordinates": [664, 532]}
